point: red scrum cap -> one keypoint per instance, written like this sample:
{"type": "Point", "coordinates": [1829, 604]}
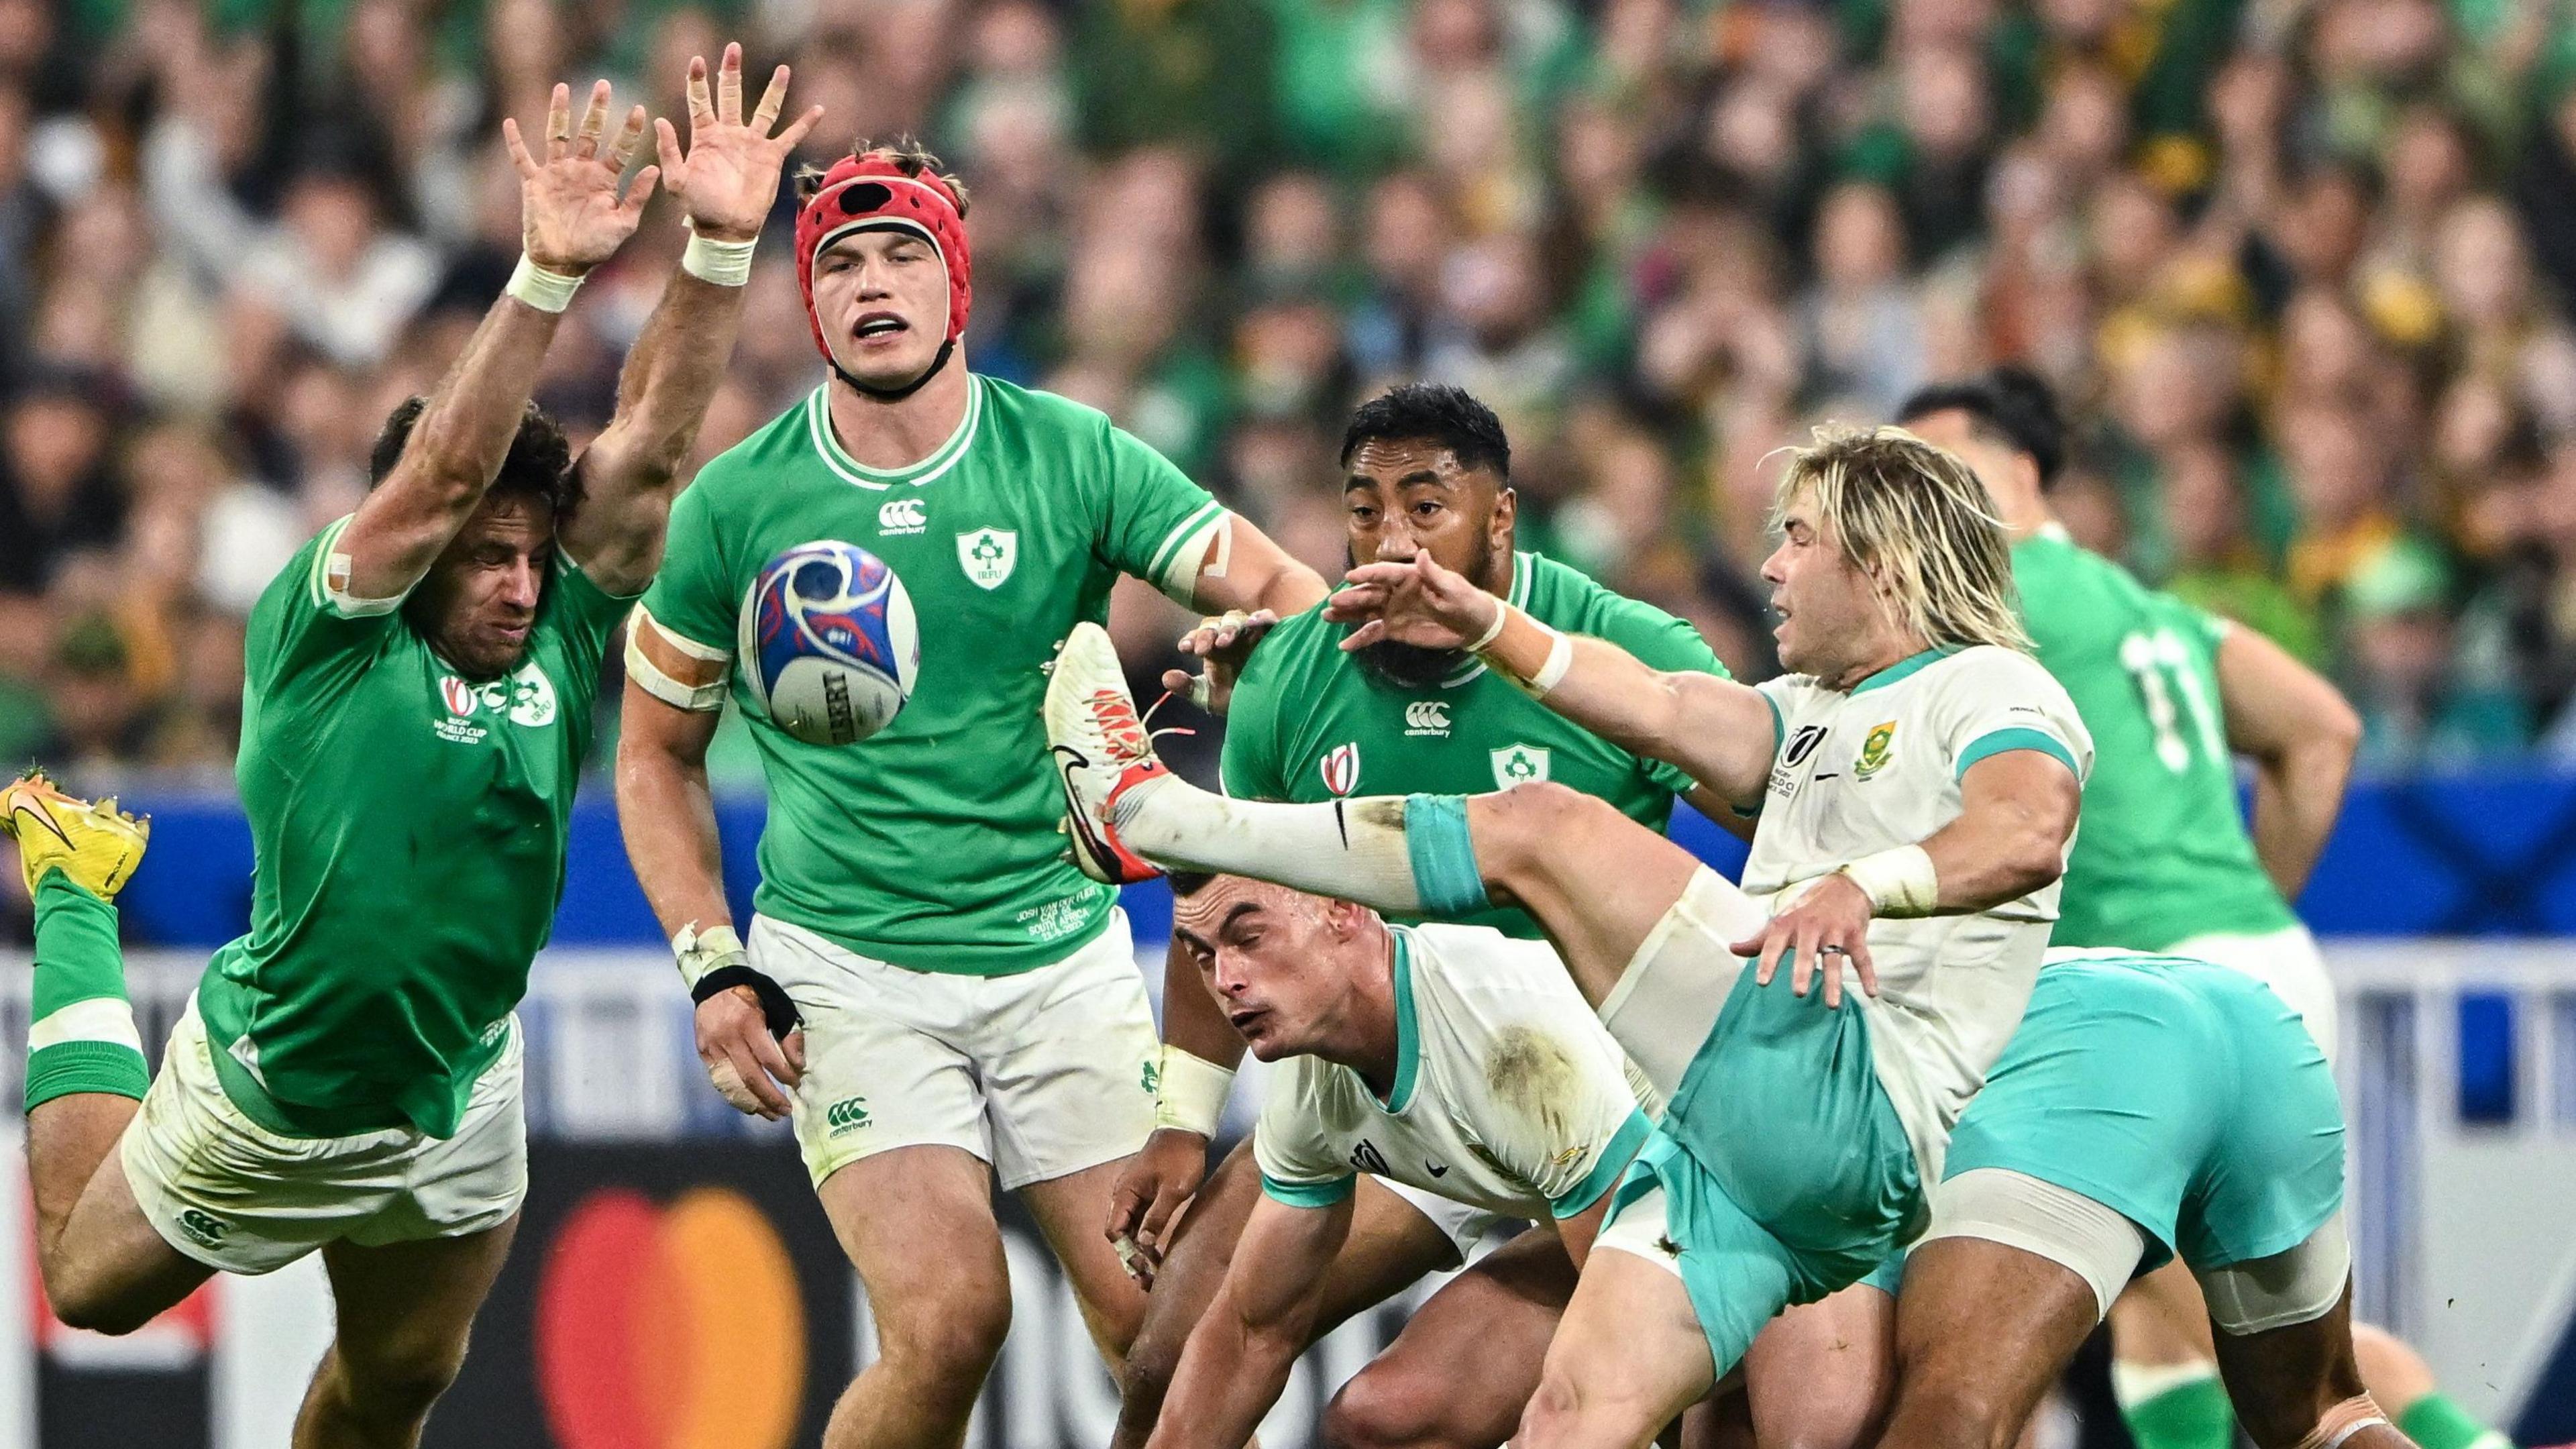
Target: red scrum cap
{"type": "Point", "coordinates": [871, 191]}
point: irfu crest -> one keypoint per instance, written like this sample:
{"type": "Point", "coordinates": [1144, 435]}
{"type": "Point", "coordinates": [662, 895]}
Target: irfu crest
{"type": "Point", "coordinates": [987, 555]}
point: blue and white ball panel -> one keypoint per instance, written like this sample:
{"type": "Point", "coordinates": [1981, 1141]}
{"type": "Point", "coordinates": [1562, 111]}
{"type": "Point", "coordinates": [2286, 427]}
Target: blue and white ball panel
{"type": "Point", "coordinates": [828, 644]}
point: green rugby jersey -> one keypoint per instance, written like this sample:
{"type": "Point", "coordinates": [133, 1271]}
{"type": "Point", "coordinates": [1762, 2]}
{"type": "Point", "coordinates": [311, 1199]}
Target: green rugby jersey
{"type": "Point", "coordinates": [2162, 853]}
{"type": "Point", "coordinates": [409, 829]}
{"type": "Point", "coordinates": [933, 845]}
{"type": "Point", "coordinates": [1308, 723]}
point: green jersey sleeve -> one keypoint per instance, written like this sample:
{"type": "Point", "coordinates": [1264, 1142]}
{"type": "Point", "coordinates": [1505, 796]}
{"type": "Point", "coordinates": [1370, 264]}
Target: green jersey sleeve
{"type": "Point", "coordinates": [692, 596]}
{"type": "Point", "coordinates": [1157, 522]}
{"type": "Point", "coordinates": [304, 623]}
{"type": "Point", "coordinates": [1662, 642]}
{"type": "Point", "coordinates": [585, 614]}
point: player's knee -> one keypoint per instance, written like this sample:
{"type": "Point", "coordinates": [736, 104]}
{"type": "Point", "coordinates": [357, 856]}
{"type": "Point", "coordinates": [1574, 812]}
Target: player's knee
{"type": "Point", "coordinates": [78, 1305]}
{"type": "Point", "coordinates": [1382, 1410]}
{"type": "Point", "coordinates": [1531, 817]}
{"type": "Point", "coordinates": [399, 1382]}
{"type": "Point", "coordinates": [1146, 1372]}
{"type": "Point", "coordinates": [1554, 1413]}
{"type": "Point", "coordinates": [952, 1340]}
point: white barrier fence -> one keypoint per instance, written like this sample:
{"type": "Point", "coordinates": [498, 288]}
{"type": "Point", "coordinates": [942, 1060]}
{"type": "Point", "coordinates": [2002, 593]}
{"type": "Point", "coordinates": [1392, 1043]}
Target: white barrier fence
{"type": "Point", "coordinates": [2463, 1237]}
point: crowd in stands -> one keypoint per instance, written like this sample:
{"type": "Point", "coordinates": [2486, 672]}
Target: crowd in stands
{"type": "Point", "coordinates": [2300, 268]}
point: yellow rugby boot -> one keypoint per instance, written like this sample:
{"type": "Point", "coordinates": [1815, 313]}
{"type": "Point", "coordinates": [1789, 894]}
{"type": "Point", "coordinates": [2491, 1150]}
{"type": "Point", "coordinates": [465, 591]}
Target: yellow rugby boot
{"type": "Point", "coordinates": [96, 846]}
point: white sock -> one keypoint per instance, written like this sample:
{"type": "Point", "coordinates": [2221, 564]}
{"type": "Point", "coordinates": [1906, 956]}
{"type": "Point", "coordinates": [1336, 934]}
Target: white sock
{"type": "Point", "coordinates": [1352, 850]}
{"type": "Point", "coordinates": [2135, 1383]}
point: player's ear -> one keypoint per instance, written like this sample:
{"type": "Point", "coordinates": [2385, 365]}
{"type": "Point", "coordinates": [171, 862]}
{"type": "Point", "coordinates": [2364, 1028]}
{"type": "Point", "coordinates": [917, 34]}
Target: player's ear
{"type": "Point", "coordinates": [1507, 508]}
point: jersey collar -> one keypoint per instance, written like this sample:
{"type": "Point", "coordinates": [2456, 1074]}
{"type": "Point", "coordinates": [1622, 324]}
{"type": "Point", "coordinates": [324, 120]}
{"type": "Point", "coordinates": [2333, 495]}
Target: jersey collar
{"type": "Point", "coordinates": [818, 423]}
{"type": "Point", "coordinates": [1519, 594]}
{"type": "Point", "coordinates": [1903, 667]}
{"type": "Point", "coordinates": [1408, 1034]}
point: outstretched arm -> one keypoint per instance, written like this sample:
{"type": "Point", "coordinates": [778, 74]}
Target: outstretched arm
{"type": "Point", "coordinates": [1239, 1356]}
{"type": "Point", "coordinates": [726, 179]}
{"type": "Point", "coordinates": [571, 219]}
{"type": "Point", "coordinates": [2301, 735]}
{"type": "Point", "coordinates": [1249, 583]}
{"type": "Point", "coordinates": [1719, 731]}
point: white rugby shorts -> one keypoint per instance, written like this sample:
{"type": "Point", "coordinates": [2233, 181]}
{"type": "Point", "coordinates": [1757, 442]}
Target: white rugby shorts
{"type": "Point", "coordinates": [1041, 1074]}
{"type": "Point", "coordinates": [2286, 960]}
{"type": "Point", "coordinates": [229, 1193]}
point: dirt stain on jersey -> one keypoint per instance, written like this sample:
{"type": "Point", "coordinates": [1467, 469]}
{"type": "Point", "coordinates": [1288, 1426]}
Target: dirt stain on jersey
{"type": "Point", "coordinates": [1533, 1075]}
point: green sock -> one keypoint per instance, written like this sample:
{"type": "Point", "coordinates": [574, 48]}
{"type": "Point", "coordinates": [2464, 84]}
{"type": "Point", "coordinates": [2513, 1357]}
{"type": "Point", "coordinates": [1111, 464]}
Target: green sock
{"type": "Point", "coordinates": [2436, 1422]}
{"type": "Point", "coordinates": [2190, 1414]}
{"type": "Point", "coordinates": [1444, 858]}
{"type": "Point", "coordinates": [81, 1035]}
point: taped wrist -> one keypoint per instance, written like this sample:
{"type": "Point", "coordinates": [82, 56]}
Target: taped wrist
{"type": "Point", "coordinates": [544, 290]}
{"type": "Point", "coordinates": [723, 263]}
{"type": "Point", "coordinates": [1190, 1092]}
{"type": "Point", "coordinates": [1900, 883]}
{"type": "Point", "coordinates": [713, 960]}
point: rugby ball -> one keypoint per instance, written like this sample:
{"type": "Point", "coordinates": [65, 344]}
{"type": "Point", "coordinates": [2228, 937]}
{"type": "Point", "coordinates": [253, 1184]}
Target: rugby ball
{"type": "Point", "coordinates": [828, 644]}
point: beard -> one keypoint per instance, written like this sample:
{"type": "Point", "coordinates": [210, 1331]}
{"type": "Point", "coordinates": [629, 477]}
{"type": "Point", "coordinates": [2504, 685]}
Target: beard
{"type": "Point", "coordinates": [1413, 666]}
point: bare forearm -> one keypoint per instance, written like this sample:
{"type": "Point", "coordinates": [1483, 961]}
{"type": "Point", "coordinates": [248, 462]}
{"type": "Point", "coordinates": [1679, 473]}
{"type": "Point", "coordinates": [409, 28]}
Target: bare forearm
{"type": "Point", "coordinates": [1717, 730]}
{"type": "Point", "coordinates": [628, 475]}
{"type": "Point", "coordinates": [674, 370]}
{"type": "Point", "coordinates": [1229, 1376]}
{"type": "Point", "coordinates": [2297, 796]}
{"type": "Point", "coordinates": [456, 448]}
{"type": "Point", "coordinates": [2018, 811]}
{"type": "Point", "coordinates": [667, 814]}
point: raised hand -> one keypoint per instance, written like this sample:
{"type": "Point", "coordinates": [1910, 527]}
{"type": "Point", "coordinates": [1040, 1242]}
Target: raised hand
{"type": "Point", "coordinates": [729, 175]}
{"type": "Point", "coordinates": [570, 216]}
{"type": "Point", "coordinates": [1417, 603]}
{"type": "Point", "coordinates": [1225, 642]}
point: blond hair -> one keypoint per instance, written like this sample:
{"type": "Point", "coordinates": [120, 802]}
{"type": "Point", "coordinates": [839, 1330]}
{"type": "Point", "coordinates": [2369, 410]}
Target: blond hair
{"type": "Point", "coordinates": [1918, 523]}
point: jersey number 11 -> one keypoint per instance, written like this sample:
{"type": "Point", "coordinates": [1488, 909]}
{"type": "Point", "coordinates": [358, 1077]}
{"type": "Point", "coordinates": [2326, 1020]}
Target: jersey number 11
{"type": "Point", "coordinates": [2154, 657]}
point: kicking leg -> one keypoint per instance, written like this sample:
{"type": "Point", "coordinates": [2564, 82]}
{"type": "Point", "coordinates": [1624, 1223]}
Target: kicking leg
{"type": "Point", "coordinates": [2283, 1332]}
{"type": "Point", "coordinates": [405, 1311]}
{"type": "Point", "coordinates": [918, 1224]}
{"type": "Point", "coordinates": [1598, 881]}
{"type": "Point", "coordinates": [1468, 1360]}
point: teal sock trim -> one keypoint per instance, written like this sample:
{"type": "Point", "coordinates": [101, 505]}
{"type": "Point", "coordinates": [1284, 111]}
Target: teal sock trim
{"type": "Point", "coordinates": [77, 955]}
{"type": "Point", "coordinates": [1444, 859]}
{"type": "Point", "coordinates": [85, 1066]}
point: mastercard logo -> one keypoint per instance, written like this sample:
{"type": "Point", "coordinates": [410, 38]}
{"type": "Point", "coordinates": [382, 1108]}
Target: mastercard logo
{"type": "Point", "coordinates": [675, 1327]}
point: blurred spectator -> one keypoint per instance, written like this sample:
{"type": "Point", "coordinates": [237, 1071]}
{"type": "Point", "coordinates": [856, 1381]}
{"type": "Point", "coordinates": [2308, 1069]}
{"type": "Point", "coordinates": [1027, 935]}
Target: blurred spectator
{"type": "Point", "coordinates": [2300, 267]}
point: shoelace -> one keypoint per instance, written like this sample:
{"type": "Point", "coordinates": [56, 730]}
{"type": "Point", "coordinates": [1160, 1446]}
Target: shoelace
{"type": "Point", "coordinates": [1145, 721]}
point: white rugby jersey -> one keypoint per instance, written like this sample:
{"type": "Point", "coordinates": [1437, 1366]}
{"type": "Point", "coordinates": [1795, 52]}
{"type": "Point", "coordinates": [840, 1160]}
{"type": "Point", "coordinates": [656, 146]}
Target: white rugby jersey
{"type": "Point", "coordinates": [1508, 1096]}
{"type": "Point", "coordinates": [1878, 767]}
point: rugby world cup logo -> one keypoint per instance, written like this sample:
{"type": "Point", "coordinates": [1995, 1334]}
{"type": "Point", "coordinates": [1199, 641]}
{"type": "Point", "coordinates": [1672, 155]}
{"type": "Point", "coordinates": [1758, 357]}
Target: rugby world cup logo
{"type": "Point", "coordinates": [1341, 768]}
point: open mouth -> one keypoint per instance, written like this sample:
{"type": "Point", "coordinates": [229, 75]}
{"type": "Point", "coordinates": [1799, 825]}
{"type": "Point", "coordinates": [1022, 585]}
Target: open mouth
{"type": "Point", "coordinates": [875, 325]}
{"type": "Point", "coordinates": [1243, 1020]}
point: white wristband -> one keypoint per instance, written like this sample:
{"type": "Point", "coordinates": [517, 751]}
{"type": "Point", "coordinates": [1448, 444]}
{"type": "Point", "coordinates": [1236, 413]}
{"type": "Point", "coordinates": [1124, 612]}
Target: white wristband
{"type": "Point", "coordinates": [1493, 631]}
{"type": "Point", "coordinates": [1900, 883]}
{"type": "Point", "coordinates": [546, 291]}
{"type": "Point", "coordinates": [1560, 658]}
{"type": "Point", "coordinates": [1189, 1092]}
{"type": "Point", "coordinates": [723, 263]}
{"type": "Point", "coordinates": [700, 952]}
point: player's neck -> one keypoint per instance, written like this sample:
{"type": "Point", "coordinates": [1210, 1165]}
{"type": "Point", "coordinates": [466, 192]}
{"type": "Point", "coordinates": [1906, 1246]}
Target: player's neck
{"type": "Point", "coordinates": [891, 435]}
{"type": "Point", "coordinates": [1891, 651]}
{"type": "Point", "coordinates": [2025, 516]}
{"type": "Point", "coordinates": [1366, 1039]}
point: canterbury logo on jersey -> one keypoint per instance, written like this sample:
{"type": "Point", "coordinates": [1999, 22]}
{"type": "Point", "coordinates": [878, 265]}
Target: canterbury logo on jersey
{"type": "Point", "coordinates": [1427, 717]}
{"type": "Point", "coordinates": [846, 1115]}
{"type": "Point", "coordinates": [902, 515]}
